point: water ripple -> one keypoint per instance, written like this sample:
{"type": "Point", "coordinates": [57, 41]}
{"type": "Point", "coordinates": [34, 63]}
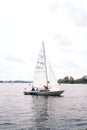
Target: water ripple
{"type": "Point", "coordinates": [20, 112]}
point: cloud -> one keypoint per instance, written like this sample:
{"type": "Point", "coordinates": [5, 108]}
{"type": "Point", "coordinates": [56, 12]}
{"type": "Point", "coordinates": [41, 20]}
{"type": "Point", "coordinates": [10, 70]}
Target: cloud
{"type": "Point", "coordinates": [15, 59]}
{"type": "Point", "coordinates": [75, 10]}
{"type": "Point", "coordinates": [78, 14]}
{"type": "Point", "coordinates": [84, 53]}
{"type": "Point", "coordinates": [63, 41]}
{"type": "Point", "coordinates": [58, 4]}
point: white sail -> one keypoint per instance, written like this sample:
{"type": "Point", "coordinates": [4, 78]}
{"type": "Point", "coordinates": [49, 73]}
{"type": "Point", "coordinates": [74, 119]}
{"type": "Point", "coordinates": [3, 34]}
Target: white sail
{"type": "Point", "coordinates": [53, 85]}
{"type": "Point", "coordinates": [40, 78]}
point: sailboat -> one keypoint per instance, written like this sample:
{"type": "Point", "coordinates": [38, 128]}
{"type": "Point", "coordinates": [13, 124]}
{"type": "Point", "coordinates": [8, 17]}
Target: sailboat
{"type": "Point", "coordinates": [44, 81]}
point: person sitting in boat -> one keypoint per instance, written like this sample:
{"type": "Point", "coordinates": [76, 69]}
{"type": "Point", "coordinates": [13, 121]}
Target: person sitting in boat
{"type": "Point", "coordinates": [33, 89]}
{"type": "Point", "coordinates": [36, 89]}
{"type": "Point", "coordinates": [46, 87]}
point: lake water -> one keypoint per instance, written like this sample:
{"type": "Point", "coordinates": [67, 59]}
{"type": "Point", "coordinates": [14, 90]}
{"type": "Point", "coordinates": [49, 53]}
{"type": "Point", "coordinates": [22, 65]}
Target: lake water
{"type": "Point", "coordinates": [21, 112]}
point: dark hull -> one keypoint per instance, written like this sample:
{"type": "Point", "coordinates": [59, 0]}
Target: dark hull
{"type": "Point", "coordinates": [44, 93]}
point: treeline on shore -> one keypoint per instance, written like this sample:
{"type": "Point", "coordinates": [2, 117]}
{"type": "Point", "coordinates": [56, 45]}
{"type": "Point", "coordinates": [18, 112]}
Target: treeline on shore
{"type": "Point", "coordinates": [71, 80]}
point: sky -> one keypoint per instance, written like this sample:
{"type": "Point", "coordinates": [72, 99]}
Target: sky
{"type": "Point", "coordinates": [61, 24]}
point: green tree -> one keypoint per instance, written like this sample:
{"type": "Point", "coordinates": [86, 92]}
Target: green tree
{"type": "Point", "coordinates": [66, 79]}
{"type": "Point", "coordinates": [71, 80]}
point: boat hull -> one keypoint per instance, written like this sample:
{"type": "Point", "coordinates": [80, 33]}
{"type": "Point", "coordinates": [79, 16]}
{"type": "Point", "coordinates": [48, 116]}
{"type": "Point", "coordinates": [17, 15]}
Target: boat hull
{"type": "Point", "coordinates": [46, 93]}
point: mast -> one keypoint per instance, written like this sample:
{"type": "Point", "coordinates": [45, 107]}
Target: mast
{"type": "Point", "coordinates": [45, 63]}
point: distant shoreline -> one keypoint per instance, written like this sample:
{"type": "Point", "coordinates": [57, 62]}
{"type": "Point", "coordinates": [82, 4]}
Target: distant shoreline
{"type": "Point", "coordinates": [65, 80]}
{"type": "Point", "coordinates": [15, 81]}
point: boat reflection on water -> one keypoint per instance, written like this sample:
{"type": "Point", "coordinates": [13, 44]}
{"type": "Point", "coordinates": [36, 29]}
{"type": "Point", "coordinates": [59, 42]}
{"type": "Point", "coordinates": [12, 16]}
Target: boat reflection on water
{"type": "Point", "coordinates": [43, 108]}
{"type": "Point", "coordinates": [41, 112]}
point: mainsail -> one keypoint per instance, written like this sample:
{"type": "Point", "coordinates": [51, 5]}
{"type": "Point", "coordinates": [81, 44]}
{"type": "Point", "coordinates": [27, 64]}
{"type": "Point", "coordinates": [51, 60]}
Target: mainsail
{"type": "Point", "coordinates": [40, 76]}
